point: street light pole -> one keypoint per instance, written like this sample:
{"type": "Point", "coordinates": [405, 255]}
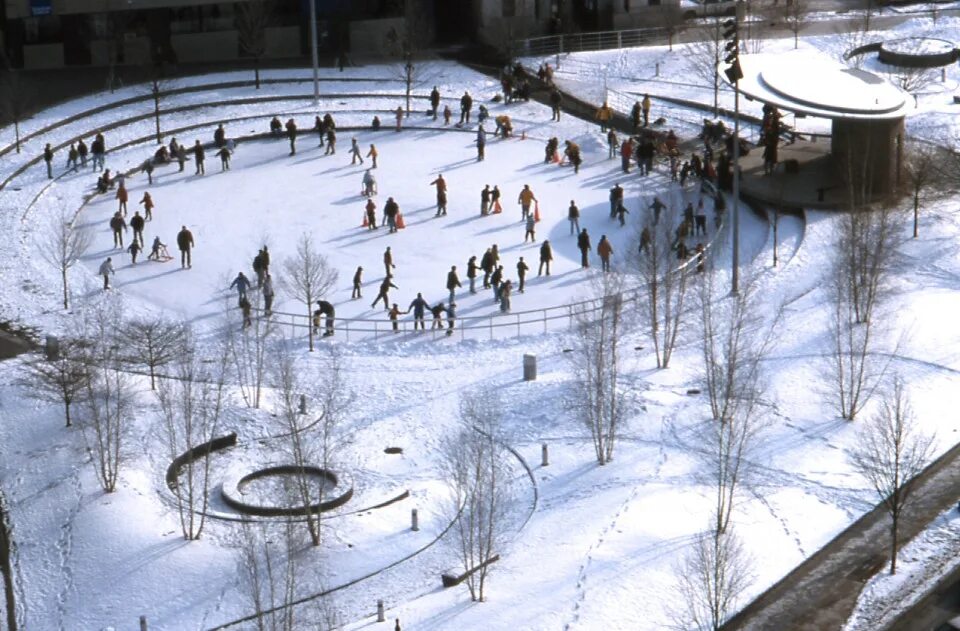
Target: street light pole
{"type": "Point", "coordinates": [313, 52]}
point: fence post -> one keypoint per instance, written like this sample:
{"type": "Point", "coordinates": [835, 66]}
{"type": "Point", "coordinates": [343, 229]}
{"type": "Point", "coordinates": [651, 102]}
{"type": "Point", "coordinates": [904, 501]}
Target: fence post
{"type": "Point", "coordinates": [414, 521]}
{"type": "Point", "coordinates": [619, 39]}
{"type": "Point", "coordinates": [380, 613]}
{"type": "Point", "coordinates": [347, 328]}
{"type": "Point", "coordinates": [544, 456]}
{"type": "Point", "coordinates": [143, 623]}
{"type": "Point", "coordinates": [544, 320]}
{"type": "Point", "coordinates": [491, 327]}
{"type": "Point", "coordinates": [518, 325]}
{"type": "Point", "coordinates": [376, 330]}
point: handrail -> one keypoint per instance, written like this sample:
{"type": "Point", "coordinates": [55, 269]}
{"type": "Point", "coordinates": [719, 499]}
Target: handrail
{"type": "Point", "coordinates": [594, 40]}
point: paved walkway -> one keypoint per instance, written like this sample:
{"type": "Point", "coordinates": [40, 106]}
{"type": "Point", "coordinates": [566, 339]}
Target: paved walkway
{"type": "Point", "coordinates": [820, 594]}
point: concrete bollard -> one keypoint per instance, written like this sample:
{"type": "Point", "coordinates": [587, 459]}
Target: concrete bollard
{"type": "Point", "coordinates": [143, 623]}
{"type": "Point", "coordinates": [414, 520]}
{"type": "Point", "coordinates": [303, 404]}
{"type": "Point", "coordinates": [943, 75]}
{"type": "Point", "coordinates": [544, 456]}
{"type": "Point", "coordinates": [658, 69]}
{"type": "Point", "coordinates": [529, 367]}
{"type": "Point", "coordinates": [381, 617]}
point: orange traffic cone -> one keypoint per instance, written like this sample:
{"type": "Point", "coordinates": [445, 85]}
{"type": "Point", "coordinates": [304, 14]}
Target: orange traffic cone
{"type": "Point", "coordinates": [365, 223]}
{"type": "Point", "coordinates": [400, 224]}
{"type": "Point", "coordinates": [536, 211]}
{"type": "Point", "coordinates": [497, 208]}
{"type": "Point", "coordinates": [556, 157]}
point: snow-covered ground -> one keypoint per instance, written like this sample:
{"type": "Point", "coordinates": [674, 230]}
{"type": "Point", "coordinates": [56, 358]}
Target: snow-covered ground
{"type": "Point", "coordinates": [599, 545]}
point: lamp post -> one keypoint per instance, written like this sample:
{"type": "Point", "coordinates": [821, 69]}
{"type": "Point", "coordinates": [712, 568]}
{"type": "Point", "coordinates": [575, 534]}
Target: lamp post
{"type": "Point", "coordinates": [734, 74]}
{"type": "Point", "coordinates": [313, 52]}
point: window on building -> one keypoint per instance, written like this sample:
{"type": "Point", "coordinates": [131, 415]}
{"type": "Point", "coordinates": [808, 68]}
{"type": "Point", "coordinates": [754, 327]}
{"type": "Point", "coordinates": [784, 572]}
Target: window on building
{"type": "Point", "coordinates": [626, 6]}
{"type": "Point", "coordinates": [509, 8]}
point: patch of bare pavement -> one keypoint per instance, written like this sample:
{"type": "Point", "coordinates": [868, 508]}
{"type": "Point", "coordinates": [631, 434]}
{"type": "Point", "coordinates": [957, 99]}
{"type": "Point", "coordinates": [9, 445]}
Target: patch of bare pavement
{"type": "Point", "coordinates": [820, 594]}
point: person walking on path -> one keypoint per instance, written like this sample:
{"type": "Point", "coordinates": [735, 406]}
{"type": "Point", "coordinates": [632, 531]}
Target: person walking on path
{"type": "Point", "coordinates": [604, 115]}
{"type": "Point", "coordinates": [291, 127]}
{"type": "Point", "coordinates": [612, 144]}
{"type": "Point", "coordinates": [357, 282]}
{"type": "Point", "coordinates": [657, 207]}
{"type": "Point", "coordinates": [496, 281]}
{"type": "Point", "coordinates": [384, 293]}
{"type": "Point", "coordinates": [398, 113]}
{"type": "Point", "coordinates": [388, 265]}
{"type": "Point", "coordinates": [485, 195]}
{"type": "Point", "coordinates": [198, 156]}
{"type": "Point", "coordinates": [522, 269]}
{"type": "Point", "coordinates": [372, 154]}
{"type": "Point", "coordinates": [525, 199]}
{"type": "Point", "coordinates": [82, 152]}
{"type": "Point", "coordinates": [472, 268]}
{"type": "Point", "coordinates": [604, 250]}
{"type": "Point", "coordinates": [419, 307]}
{"type": "Point", "coordinates": [182, 157]}
{"type": "Point", "coordinates": [495, 200]}
{"type": "Point", "coordinates": [555, 101]}
{"type": "Point", "coordinates": [451, 321]}
{"type": "Point", "coordinates": [119, 226]}
{"type": "Point", "coordinates": [331, 149]}
{"type": "Point", "coordinates": [583, 243]}
{"type": "Point", "coordinates": [616, 196]}
{"type": "Point", "coordinates": [48, 158]}
{"type": "Point", "coordinates": [626, 153]}
{"type": "Point", "coordinates": [622, 213]}
{"type": "Point", "coordinates": [481, 143]}
{"type": "Point", "coordinates": [134, 249]}
{"type": "Point", "coordinates": [185, 244]}
{"type": "Point", "coordinates": [224, 155]}
{"type": "Point", "coordinates": [441, 185]}
{"type": "Point", "coordinates": [355, 152]}
{"type": "Point", "coordinates": [268, 294]}
{"type": "Point", "coordinates": [486, 264]}
{"type": "Point", "coordinates": [573, 216]}
{"type": "Point", "coordinates": [245, 310]}
{"type": "Point", "coordinates": [106, 269]}
{"type": "Point", "coordinates": [505, 292]}
{"type": "Point", "coordinates": [242, 284]}
{"type": "Point", "coordinates": [219, 136]}
{"type": "Point", "coordinates": [137, 223]}
{"type": "Point", "coordinates": [371, 213]}
{"type": "Point", "coordinates": [531, 229]}
{"type": "Point", "coordinates": [646, 110]}
{"type": "Point", "coordinates": [122, 197]}
{"type": "Point", "coordinates": [466, 104]}
{"type": "Point", "coordinates": [394, 315]}
{"type": "Point", "coordinates": [453, 283]}
{"type": "Point", "coordinates": [635, 114]}
{"type": "Point", "coordinates": [546, 256]}
{"type": "Point", "coordinates": [390, 210]}
{"type": "Point", "coordinates": [434, 101]}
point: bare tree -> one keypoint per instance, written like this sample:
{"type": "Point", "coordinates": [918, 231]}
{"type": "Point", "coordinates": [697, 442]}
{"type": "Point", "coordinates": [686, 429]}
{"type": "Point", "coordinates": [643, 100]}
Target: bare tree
{"type": "Point", "coordinates": [158, 88]}
{"type": "Point", "coordinates": [191, 403]}
{"type": "Point", "coordinates": [270, 570]}
{"type": "Point", "coordinates": [311, 439]}
{"type": "Point", "coordinates": [795, 15]}
{"type": "Point", "coordinates": [925, 177]}
{"type": "Point", "coordinates": [308, 276]}
{"type": "Point", "coordinates": [596, 396]}
{"type": "Point", "coordinates": [409, 46]}
{"type": "Point", "coordinates": [64, 245]}
{"type": "Point", "coordinates": [61, 380]}
{"type": "Point", "coordinates": [890, 452]}
{"type": "Point", "coordinates": [663, 287]}
{"type": "Point", "coordinates": [703, 56]}
{"type": "Point", "coordinates": [248, 349]}
{"type": "Point", "coordinates": [736, 340]}
{"type": "Point", "coordinates": [153, 342]}
{"type": "Point", "coordinates": [16, 100]}
{"type": "Point", "coordinates": [858, 281]}
{"type": "Point", "coordinates": [475, 463]}
{"type": "Point", "coordinates": [253, 17]}
{"type": "Point", "coordinates": [108, 401]}
{"type": "Point", "coordinates": [710, 581]}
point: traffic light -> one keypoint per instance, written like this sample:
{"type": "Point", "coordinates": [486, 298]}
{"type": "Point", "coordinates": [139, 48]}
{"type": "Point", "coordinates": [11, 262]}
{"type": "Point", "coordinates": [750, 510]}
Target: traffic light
{"type": "Point", "coordinates": [732, 48]}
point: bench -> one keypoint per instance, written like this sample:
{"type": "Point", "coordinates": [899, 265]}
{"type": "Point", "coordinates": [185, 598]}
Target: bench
{"type": "Point", "coordinates": [450, 579]}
